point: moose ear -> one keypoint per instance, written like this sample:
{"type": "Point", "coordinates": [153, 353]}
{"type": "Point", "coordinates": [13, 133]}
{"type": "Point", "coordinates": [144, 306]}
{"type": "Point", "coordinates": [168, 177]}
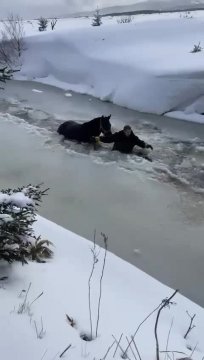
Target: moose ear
{"type": "Point", "coordinates": [109, 116]}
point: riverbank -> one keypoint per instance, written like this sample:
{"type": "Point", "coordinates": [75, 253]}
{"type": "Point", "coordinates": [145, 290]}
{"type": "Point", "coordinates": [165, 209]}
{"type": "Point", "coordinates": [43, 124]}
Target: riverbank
{"type": "Point", "coordinates": [42, 329]}
{"type": "Point", "coordinates": [145, 65]}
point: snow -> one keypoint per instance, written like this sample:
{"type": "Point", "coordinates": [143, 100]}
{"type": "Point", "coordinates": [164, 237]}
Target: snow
{"type": "Point", "coordinates": [18, 199]}
{"type": "Point", "coordinates": [37, 91]}
{"type": "Point", "coordinates": [128, 296]}
{"type": "Point", "coordinates": [4, 198]}
{"type": "Point", "coordinates": [5, 218]}
{"type": "Point", "coordinates": [146, 65]}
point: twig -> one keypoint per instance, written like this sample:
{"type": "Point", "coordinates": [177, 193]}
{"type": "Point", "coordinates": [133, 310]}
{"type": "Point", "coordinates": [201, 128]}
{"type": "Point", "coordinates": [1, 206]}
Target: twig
{"type": "Point", "coordinates": [173, 351]}
{"type": "Point", "coordinates": [168, 337]}
{"type": "Point", "coordinates": [40, 333]}
{"type": "Point", "coordinates": [55, 356]}
{"type": "Point", "coordinates": [194, 349]}
{"type": "Point", "coordinates": [23, 305]}
{"type": "Point", "coordinates": [36, 329]}
{"type": "Point", "coordinates": [84, 353]}
{"type": "Point", "coordinates": [124, 355]}
{"type": "Point", "coordinates": [190, 326]}
{"type": "Point", "coordinates": [22, 291]}
{"type": "Point", "coordinates": [131, 348]}
{"type": "Point", "coordinates": [67, 348]}
{"type": "Point", "coordinates": [138, 353]}
{"type": "Point", "coordinates": [165, 302]}
{"type": "Point", "coordinates": [95, 260]}
{"type": "Point", "coordinates": [118, 345]}
{"type": "Point", "coordinates": [107, 352]}
{"type": "Point", "coordinates": [41, 323]}
{"type": "Point", "coordinates": [169, 357]}
{"type": "Point", "coordinates": [70, 321]}
{"type": "Point", "coordinates": [44, 355]}
{"type": "Point", "coordinates": [105, 239]}
{"type": "Point", "coordinates": [27, 294]}
{"type": "Point", "coordinates": [139, 326]}
{"type": "Point", "coordinates": [36, 298]}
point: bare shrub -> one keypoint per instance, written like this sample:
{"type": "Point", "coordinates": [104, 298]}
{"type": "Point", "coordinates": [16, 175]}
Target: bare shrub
{"type": "Point", "coordinates": [12, 42]}
{"type": "Point", "coordinates": [196, 48]}
{"type": "Point", "coordinates": [125, 19]}
{"type": "Point", "coordinates": [186, 15]}
{"type": "Point", "coordinates": [95, 259]}
{"type": "Point", "coordinates": [165, 303]}
{"type": "Point", "coordinates": [53, 23]}
{"type": "Point", "coordinates": [105, 240]}
{"type": "Point", "coordinates": [191, 326]}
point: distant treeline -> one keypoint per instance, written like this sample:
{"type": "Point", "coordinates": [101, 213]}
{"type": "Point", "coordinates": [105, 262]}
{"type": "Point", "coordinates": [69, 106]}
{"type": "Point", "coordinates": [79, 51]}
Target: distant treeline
{"type": "Point", "coordinates": [148, 12]}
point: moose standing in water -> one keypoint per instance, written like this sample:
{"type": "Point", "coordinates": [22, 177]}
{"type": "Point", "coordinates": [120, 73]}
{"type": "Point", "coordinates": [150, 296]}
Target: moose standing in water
{"type": "Point", "coordinates": [87, 131]}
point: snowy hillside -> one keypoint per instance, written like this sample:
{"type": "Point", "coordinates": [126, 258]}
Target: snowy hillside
{"type": "Point", "coordinates": [151, 5]}
{"type": "Point", "coordinates": [155, 5]}
{"type": "Point", "coordinates": [42, 330]}
{"type": "Point", "coordinates": [146, 65]}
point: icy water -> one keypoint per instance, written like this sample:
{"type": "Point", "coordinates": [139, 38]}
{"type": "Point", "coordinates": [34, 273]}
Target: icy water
{"type": "Point", "coordinates": [152, 212]}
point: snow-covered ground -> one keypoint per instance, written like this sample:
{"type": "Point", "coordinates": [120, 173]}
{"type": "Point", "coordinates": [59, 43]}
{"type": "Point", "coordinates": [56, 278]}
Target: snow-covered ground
{"type": "Point", "coordinates": [145, 65]}
{"type": "Point", "coordinates": [128, 297]}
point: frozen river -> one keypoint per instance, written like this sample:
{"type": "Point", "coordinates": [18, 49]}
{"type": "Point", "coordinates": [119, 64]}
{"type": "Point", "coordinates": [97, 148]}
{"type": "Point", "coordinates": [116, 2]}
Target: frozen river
{"type": "Point", "coordinates": [156, 208]}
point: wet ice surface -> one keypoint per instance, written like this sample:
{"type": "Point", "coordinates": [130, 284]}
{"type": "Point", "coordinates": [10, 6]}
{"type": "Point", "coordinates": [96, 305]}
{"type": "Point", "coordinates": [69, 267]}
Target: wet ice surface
{"type": "Point", "coordinates": [177, 157]}
{"type": "Point", "coordinates": [152, 212]}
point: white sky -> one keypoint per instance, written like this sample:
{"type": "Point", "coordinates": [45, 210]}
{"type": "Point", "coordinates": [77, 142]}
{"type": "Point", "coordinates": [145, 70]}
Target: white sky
{"type": "Point", "coordinates": [33, 8]}
{"type": "Point", "coordinates": [36, 8]}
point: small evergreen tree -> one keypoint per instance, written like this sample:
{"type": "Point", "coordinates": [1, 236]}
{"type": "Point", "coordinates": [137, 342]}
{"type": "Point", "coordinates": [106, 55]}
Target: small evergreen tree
{"type": "Point", "coordinates": [97, 19]}
{"type": "Point", "coordinates": [43, 23]}
{"type": "Point", "coordinates": [17, 214]}
{"type": "Point", "coordinates": [6, 74]}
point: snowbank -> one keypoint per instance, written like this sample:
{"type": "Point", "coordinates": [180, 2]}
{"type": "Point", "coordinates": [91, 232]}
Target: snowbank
{"type": "Point", "coordinates": [129, 295]}
{"type": "Point", "coordinates": [146, 65]}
